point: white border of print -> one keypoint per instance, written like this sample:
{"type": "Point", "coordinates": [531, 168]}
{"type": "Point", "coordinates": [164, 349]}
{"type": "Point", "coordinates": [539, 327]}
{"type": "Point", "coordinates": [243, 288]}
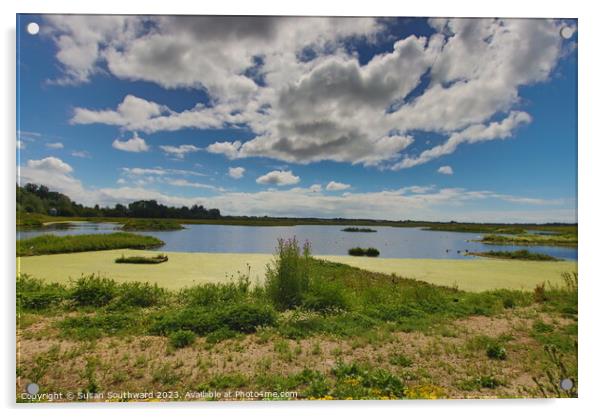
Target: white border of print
{"type": "Point", "coordinates": [590, 144]}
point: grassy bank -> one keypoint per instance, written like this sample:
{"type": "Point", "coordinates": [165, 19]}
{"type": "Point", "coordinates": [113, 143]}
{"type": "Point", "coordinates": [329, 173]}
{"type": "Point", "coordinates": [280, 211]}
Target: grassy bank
{"type": "Point", "coordinates": [151, 225]}
{"type": "Point", "coordinates": [569, 240]}
{"type": "Point", "coordinates": [51, 244]}
{"type": "Point", "coordinates": [320, 329]}
{"type": "Point", "coordinates": [518, 254]}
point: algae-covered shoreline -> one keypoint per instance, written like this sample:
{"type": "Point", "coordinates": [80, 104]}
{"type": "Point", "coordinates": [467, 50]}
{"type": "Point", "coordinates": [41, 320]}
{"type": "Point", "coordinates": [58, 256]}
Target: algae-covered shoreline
{"type": "Point", "coordinates": [186, 268]}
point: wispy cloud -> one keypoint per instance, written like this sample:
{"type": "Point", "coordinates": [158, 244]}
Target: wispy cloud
{"type": "Point", "coordinates": [55, 145]}
{"type": "Point", "coordinates": [179, 151]}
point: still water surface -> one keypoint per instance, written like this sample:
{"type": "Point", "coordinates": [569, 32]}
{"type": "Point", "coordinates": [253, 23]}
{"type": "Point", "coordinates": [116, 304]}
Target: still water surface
{"type": "Point", "coordinates": [392, 242]}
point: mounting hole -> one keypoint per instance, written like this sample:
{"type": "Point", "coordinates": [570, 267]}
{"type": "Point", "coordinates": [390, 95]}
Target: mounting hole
{"type": "Point", "coordinates": [32, 388]}
{"type": "Point", "coordinates": [566, 384]}
{"type": "Point", "coordinates": [33, 28]}
{"type": "Point", "coordinates": [567, 32]}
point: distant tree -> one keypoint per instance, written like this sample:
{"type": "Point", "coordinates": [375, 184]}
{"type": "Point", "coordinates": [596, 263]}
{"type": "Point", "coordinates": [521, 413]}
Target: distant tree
{"type": "Point", "coordinates": [35, 198]}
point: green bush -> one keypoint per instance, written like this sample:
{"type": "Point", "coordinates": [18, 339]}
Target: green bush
{"type": "Point", "coordinates": [182, 338]}
{"type": "Point", "coordinates": [325, 295]}
{"type": "Point", "coordinates": [496, 351]}
{"type": "Point", "coordinates": [103, 324]}
{"type": "Point", "coordinates": [219, 335]}
{"type": "Point", "coordinates": [35, 294]}
{"type": "Point", "coordinates": [244, 318]}
{"type": "Point", "coordinates": [216, 294]}
{"type": "Point", "coordinates": [93, 291]}
{"type": "Point", "coordinates": [138, 294]}
{"type": "Point", "coordinates": [287, 278]}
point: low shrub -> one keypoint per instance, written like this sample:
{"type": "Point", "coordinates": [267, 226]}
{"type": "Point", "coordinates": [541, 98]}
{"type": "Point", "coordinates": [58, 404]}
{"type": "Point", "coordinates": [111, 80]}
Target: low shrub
{"type": "Point", "coordinates": [244, 318]}
{"type": "Point", "coordinates": [90, 327]}
{"type": "Point", "coordinates": [220, 335]}
{"type": "Point", "coordinates": [35, 294]}
{"type": "Point", "coordinates": [399, 359]}
{"type": "Point", "coordinates": [93, 291]}
{"type": "Point", "coordinates": [211, 294]}
{"type": "Point", "coordinates": [479, 382]}
{"type": "Point", "coordinates": [496, 351]}
{"type": "Point", "coordinates": [182, 338]}
{"type": "Point", "coordinates": [138, 294]}
{"type": "Point", "coordinates": [325, 295]}
{"type": "Point", "coordinates": [358, 381]}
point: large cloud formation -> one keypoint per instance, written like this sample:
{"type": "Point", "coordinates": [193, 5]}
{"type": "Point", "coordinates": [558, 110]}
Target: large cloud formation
{"type": "Point", "coordinates": [301, 88]}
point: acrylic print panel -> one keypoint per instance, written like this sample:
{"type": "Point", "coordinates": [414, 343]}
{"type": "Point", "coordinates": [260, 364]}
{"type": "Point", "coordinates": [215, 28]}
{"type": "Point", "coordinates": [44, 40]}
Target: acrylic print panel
{"type": "Point", "coordinates": [295, 208]}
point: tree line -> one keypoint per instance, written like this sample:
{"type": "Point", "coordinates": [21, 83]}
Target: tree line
{"type": "Point", "coordinates": [33, 198]}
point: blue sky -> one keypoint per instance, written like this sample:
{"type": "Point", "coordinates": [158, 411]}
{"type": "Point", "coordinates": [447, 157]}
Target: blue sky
{"type": "Point", "coordinates": [462, 119]}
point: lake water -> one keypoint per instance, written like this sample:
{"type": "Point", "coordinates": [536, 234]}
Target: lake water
{"type": "Point", "coordinates": [392, 242]}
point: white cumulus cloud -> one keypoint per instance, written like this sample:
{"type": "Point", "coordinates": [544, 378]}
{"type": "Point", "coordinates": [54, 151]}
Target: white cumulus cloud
{"type": "Point", "coordinates": [134, 144]}
{"type": "Point", "coordinates": [446, 170]}
{"type": "Point", "coordinates": [236, 172]}
{"type": "Point", "coordinates": [298, 84]}
{"type": "Point", "coordinates": [278, 178]}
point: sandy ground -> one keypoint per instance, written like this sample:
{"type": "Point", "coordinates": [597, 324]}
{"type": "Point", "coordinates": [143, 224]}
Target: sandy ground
{"type": "Point", "coordinates": [185, 269]}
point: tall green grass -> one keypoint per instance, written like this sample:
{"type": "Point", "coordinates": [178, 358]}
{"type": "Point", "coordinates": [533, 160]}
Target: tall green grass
{"type": "Point", "coordinates": [287, 278]}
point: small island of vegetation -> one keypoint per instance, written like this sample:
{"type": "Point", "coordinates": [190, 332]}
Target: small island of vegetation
{"type": "Point", "coordinates": [142, 259]}
{"type": "Point", "coordinates": [532, 239]}
{"type": "Point", "coordinates": [151, 225]}
{"type": "Point", "coordinates": [372, 252]}
{"type": "Point", "coordinates": [522, 254]}
{"type": "Point", "coordinates": [358, 230]}
{"type": "Point", "coordinates": [50, 244]}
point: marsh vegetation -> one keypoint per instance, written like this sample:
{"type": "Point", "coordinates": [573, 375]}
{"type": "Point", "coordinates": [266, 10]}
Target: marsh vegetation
{"type": "Point", "coordinates": [142, 259]}
{"type": "Point", "coordinates": [532, 239]}
{"type": "Point", "coordinates": [150, 225]}
{"type": "Point", "coordinates": [517, 254]}
{"type": "Point", "coordinates": [323, 329]}
{"type": "Point", "coordinates": [49, 244]}
{"type": "Point", "coordinates": [370, 252]}
{"type": "Point", "coordinates": [358, 230]}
